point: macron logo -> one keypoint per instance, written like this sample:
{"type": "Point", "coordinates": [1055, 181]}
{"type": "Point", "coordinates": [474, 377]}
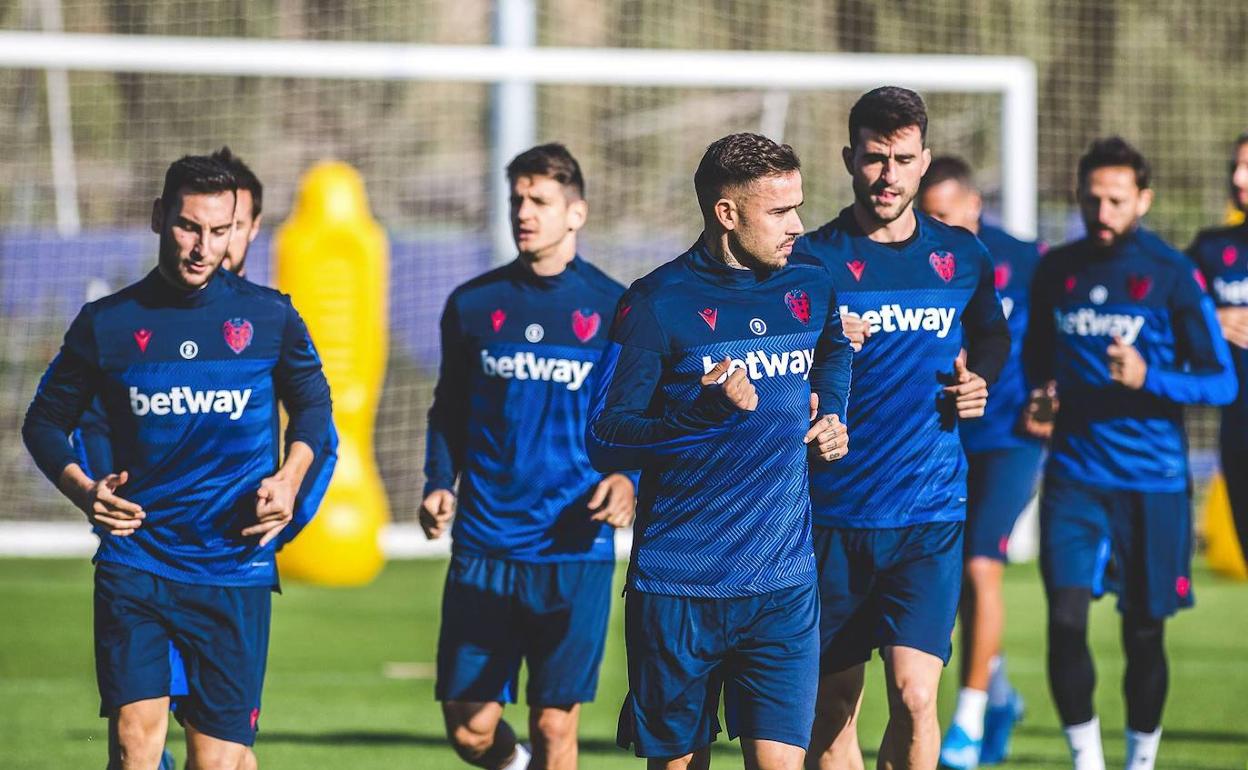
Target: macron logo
{"type": "Point", "coordinates": [183, 400]}
{"type": "Point", "coordinates": [1086, 322]}
{"type": "Point", "coordinates": [528, 366]}
{"type": "Point", "coordinates": [895, 318]}
{"type": "Point", "coordinates": [759, 363]}
{"type": "Point", "coordinates": [1231, 292]}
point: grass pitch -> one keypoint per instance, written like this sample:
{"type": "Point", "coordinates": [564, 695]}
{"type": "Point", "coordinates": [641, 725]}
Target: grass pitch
{"type": "Point", "coordinates": [350, 678]}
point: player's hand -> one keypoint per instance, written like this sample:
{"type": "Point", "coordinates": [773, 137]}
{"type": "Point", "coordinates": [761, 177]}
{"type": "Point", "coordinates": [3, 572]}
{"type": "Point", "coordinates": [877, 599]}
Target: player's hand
{"type": "Point", "coordinates": [969, 390]}
{"type": "Point", "coordinates": [1041, 411]}
{"type": "Point", "coordinates": [856, 330]}
{"type": "Point", "coordinates": [436, 512]}
{"type": "Point", "coordinates": [827, 436]}
{"type": "Point", "coordinates": [275, 507]}
{"type": "Point", "coordinates": [106, 508]}
{"type": "Point", "coordinates": [1126, 365]}
{"type": "Point", "coordinates": [612, 501]}
{"type": "Point", "coordinates": [1234, 323]}
{"type": "Point", "coordinates": [737, 388]}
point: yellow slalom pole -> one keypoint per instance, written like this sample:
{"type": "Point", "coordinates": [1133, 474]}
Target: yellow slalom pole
{"type": "Point", "coordinates": [332, 258]}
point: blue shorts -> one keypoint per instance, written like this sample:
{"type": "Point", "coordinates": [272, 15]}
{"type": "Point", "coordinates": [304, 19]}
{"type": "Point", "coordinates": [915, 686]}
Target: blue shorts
{"type": "Point", "coordinates": [762, 651]}
{"type": "Point", "coordinates": [887, 588]}
{"type": "Point", "coordinates": [1135, 544]}
{"type": "Point", "coordinates": [144, 624]}
{"type": "Point", "coordinates": [496, 613]}
{"type": "Point", "coordinates": [999, 484]}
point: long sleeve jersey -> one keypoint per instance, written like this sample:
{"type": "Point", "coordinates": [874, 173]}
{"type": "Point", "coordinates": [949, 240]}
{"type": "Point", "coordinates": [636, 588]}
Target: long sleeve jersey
{"type": "Point", "coordinates": [724, 505]}
{"type": "Point", "coordinates": [1221, 255]}
{"type": "Point", "coordinates": [189, 385]}
{"type": "Point", "coordinates": [1013, 265]}
{"type": "Point", "coordinates": [921, 300]}
{"type": "Point", "coordinates": [519, 362]}
{"type": "Point", "coordinates": [1146, 294]}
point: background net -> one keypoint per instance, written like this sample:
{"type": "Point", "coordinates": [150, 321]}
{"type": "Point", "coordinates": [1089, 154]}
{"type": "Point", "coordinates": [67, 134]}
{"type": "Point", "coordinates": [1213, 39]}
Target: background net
{"type": "Point", "coordinates": [1166, 76]}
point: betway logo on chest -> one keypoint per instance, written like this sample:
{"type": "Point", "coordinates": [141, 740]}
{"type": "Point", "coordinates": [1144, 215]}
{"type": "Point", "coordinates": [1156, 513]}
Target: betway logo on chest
{"type": "Point", "coordinates": [1086, 322]}
{"type": "Point", "coordinates": [1231, 292]}
{"type": "Point", "coordinates": [895, 318]}
{"type": "Point", "coordinates": [759, 363]}
{"type": "Point", "coordinates": [530, 366]}
{"type": "Point", "coordinates": [184, 400]}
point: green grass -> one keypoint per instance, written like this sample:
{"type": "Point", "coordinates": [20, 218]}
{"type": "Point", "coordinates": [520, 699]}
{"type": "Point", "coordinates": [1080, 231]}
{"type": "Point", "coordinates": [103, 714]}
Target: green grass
{"type": "Point", "coordinates": [330, 704]}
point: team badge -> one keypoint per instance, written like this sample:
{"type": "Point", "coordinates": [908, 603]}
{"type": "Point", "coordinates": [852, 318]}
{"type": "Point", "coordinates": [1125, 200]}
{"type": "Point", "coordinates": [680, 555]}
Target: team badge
{"type": "Point", "coordinates": [237, 333]}
{"type": "Point", "coordinates": [1001, 275]}
{"type": "Point", "coordinates": [1229, 255]}
{"type": "Point", "coordinates": [141, 338]}
{"type": "Point", "coordinates": [798, 303]}
{"type": "Point", "coordinates": [497, 318]}
{"type": "Point", "coordinates": [585, 323]}
{"type": "Point", "coordinates": [1138, 286]}
{"type": "Point", "coordinates": [942, 262]}
{"type": "Point", "coordinates": [710, 315]}
{"type": "Point", "coordinates": [855, 268]}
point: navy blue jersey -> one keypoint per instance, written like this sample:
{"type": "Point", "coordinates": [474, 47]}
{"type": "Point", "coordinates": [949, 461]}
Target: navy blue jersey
{"type": "Point", "coordinates": [921, 300]}
{"type": "Point", "coordinates": [509, 412]}
{"type": "Point", "coordinates": [189, 385]}
{"type": "Point", "coordinates": [723, 507]}
{"type": "Point", "coordinates": [1143, 292]}
{"type": "Point", "coordinates": [1221, 254]}
{"type": "Point", "coordinates": [1014, 264]}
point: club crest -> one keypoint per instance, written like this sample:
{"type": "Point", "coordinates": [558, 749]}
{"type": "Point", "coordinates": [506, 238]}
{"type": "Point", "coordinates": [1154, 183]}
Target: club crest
{"type": "Point", "coordinates": [237, 333]}
{"type": "Point", "coordinates": [585, 323]}
{"type": "Point", "coordinates": [942, 262]}
{"type": "Point", "coordinates": [798, 303]}
{"type": "Point", "coordinates": [1229, 255]}
{"type": "Point", "coordinates": [1138, 286]}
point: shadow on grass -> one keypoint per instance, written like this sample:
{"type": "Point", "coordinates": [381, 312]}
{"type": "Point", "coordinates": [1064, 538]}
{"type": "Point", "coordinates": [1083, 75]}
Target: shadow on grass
{"type": "Point", "coordinates": [1168, 735]}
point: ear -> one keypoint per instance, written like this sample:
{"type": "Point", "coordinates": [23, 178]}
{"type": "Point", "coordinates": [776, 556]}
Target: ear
{"type": "Point", "coordinates": [1145, 202]}
{"type": "Point", "coordinates": [847, 155]}
{"type": "Point", "coordinates": [726, 214]}
{"type": "Point", "coordinates": [927, 159]}
{"type": "Point", "coordinates": [578, 213]}
{"type": "Point", "coordinates": [976, 203]}
{"type": "Point", "coordinates": [158, 216]}
{"type": "Point", "coordinates": [255, 228]}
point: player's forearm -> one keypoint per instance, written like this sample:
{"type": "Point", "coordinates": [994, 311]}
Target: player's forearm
{"type": "Point", "coordinates": [75, 484]}
{"type": "Point", "coordinates": [831, 376]}
{"type": "Point", "coordinates": [988, 350]}
{"type": "Point", "coordinates": [1209, 377]}
{"type": "Point", "coordinates": [620, 441]}
{"type": "Point", "coordinates": [299, 456]}
{"type": "Point", "coordinates": [48, 444]}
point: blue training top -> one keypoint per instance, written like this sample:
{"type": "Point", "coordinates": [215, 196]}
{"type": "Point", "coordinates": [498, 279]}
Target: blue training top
{"type": "Point", "coordinates": [724, 504]}
{"type": "Point", "coordinates": [509, 412]}
{"type": "Point", "coordinates": [921, 299]}
{"type": "Point", "coordinates": [1145, 293]}
{"type": "Point", "coordinates": [189, 385]}
{"type": "Point", "coordinates": [1221, 254]}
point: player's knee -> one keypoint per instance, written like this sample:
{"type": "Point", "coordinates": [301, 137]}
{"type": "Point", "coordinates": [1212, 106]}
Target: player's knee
{"type": "Point", "coordinates": [555, 728]}
{"type": "Point", "coordinates": [140, 741]}
{"type": "Point", "coordinates": [983, 573]}
{"type": "Point", "coordinates": [230, 757]}
{"type": "Point", "coordinates": [914, 700]}
{"type": "Point", "coordinates": [471, 745]}
{"type": "Point", "coordinates": [1068, 612]}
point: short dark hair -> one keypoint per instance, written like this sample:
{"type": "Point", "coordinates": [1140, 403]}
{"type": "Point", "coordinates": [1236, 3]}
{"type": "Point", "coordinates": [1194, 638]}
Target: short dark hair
{"type": "Point", "coordinates": [1241, 140]}
{"type": "Point", "coordinates": [887, 110]}
{"type": "Point", "coordinates": [739, 159]}
{"type": "Point", "coordinates": [195, 174]}
{"type": "Point", "coordinates": [945, 168]}
{"type": "Point", "coordinates": [246, 178]}
{"type": "Point", "coordinates": [1114, 151]}
{"type": "Point", "coordinates": [552, 160]}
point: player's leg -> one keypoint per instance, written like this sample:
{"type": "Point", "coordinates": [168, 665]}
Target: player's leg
{"type": "Point", "coordinates": [1144, 683]}
{"type": "Point", "coordinates": [204, 752]}
{"type": "Point", "coordinates": [564, 611]}
{"type": "Point", "coordinates": [771, 675]}
{"type": "Point", "coordinates": [696, 760]}
{"type": "Point", "coordinates": [1234, 451]}
{"type": "Point", "coordinates": [848, 618]}
{"type": "Point", "coordinates": [479, 661]}
{"type": "Point", "coordinates": [912, 736]}
{"type": "Point", "coordinates": [136, 734]}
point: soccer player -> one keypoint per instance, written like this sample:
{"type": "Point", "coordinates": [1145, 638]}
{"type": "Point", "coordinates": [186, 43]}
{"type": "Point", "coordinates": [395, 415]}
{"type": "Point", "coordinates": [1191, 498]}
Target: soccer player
{"type": "Point", "coordinates": [1222, 256]}
{"type": "Point", "coordinates": [533, 554]}
{"type": "Point", "coordinates": [1121, 328]}
{"type": "Point", "coordinates": [888, 525]}
{"type": "Point", "coordinates": [189, 365]}
{"type": "Point", "coordinates": [1003, 466]}
{"type": "Point", "coordinates": [726, 367]}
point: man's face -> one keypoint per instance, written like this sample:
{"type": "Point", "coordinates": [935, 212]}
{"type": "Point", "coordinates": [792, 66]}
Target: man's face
{"type": "Point", "coordinates": [953, 203]}
{"type": "Point", "coordinates": [886, 171]}
{"type": "Point", "coordinates": [1112, 204]}
{"type": "Point", "coordinates": [764, 220]}
{"type": "Point", "coordinates": [542, 216]}
{"type": "Point", "coordinates": [194, 235]}
{"type": "Point", "coordinates": [246, 228]}
{"type": "Point", "coordinates": [1239, 178]}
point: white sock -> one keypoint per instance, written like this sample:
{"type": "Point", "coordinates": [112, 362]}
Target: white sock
{"type": "Point", "coordinates": [998, 684]}
{"type": "Point", "coordinates": [970, 712]}
{"type": "Point", "coordinates": [1142, 749]}
{"type": "Point", "coordinates": [1085, 745]}
{"type": "Point", "coordinates": [521, 759]}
